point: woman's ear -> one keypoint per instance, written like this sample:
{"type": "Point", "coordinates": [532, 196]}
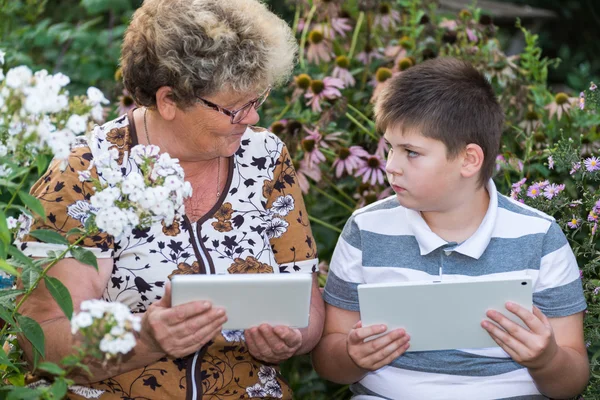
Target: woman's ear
{"type": "Point", "coordinates": [472, 160]}
{"type": "Point", "coordinates": [165, 104]}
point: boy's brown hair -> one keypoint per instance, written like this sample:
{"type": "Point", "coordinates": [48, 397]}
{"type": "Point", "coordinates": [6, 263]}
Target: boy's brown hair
{"type": "Point", "coordinates": [448, 100]}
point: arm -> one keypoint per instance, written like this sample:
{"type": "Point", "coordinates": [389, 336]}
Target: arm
{"type": "Point", "coordinates": [343, 356]}
{"type": "Point", "coordinates": [176, 331]}
{"type": "Point", "coordinates": [553, 350]}
{"type": "Point", "coordinates": [312, 333]}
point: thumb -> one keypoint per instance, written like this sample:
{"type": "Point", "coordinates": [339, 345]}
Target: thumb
{"type": "Point", "coordinates": [165, 301]}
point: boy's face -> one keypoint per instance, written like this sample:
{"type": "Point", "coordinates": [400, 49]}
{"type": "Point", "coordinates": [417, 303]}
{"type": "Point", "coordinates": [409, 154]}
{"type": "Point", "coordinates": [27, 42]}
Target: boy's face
{"type": "Point", "coordinates": [419, 171]}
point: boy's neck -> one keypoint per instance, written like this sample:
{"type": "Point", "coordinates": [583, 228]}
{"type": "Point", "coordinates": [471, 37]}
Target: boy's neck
{"type": "Point", "coordinates": [459, 222]}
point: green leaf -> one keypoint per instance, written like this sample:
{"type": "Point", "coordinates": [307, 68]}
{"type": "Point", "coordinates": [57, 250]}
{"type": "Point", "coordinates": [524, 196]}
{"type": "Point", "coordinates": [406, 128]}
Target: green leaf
{"type": "Point", "coordinates": [75, 231]}
{"type": "Point", "coordinates": [8, 293]}
{"type": "Point", "coordinates": [48, 236]}
{"type": "Point", "coordinates": [59, 389]}
{"type": "Point", "coordinates": [4, 232]}
{"type": "Point", "coordinates": [23, 393]}
{"type": "Point", "coordinates": [7, 183]}
{"type": "Point", "coordinates": [33, 332]}
{"type": "Point", "coordinates": [28, 276]}
{"type": "Point", "coordinates": [52, 368]}
{"type": "Point", "coordinates": [85, 256]}
{"type": "Point", "coordinates": [19, 256]}
{"type": "Point", "coordinates": [9, 269]}
{"type": "Point", "coordinates": [61, 295]}
{"type": "Point", "coordinates": [33, 204]}
{"type": "Point", "coordinates": [6, 316]}
{"type": "Point", "coordinates": [4, 360]}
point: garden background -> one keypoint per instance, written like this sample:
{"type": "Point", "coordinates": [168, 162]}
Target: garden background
{"type": "Point", "coordinates": [542, 65]}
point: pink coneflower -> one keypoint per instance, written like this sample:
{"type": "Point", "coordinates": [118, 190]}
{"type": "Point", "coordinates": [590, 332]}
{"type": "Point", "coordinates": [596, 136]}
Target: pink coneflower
{"type": "Point", "coordinates": [449, 24]}
{"type": "Point", "coordinates": [386, 17]}
{"type": "Point", "coordinates": [372, 171]}
{"type": "Point", "coordinates": [319, 49]}
{"type": "Point", "coordinates": [550, 162]}
{"type": "Point", "coordinates": [576, 167]}
{"type": "Point", "coordinates": [593, 87]}
{"type": "Point", "coordinates": [471, 35]}
{"type": "Point", "coordinates": [305, 171]}
{"type": "Point", "coordinates": [341, 26]}
{"type": "Point", "coordinates": [342, 63]}
{"type": "Point", "coordinates": [381, 76]}
{"type": "Point", "coordinates": [534, 190]}
{"type": "Point", "coordinates": [592, 164]}
{"type": "Point", "coordinates": [382, 149]}
{"type": "Point", "coordinates": [368, 55]}
{"type": "Point", "coordinates": [574, 223]}
{"type": "Point", "coordinates": [553, 190]}
{"type": "Point", "coordinates": [312, 154]}
{"type": "Point", "coordinates": [562, 103]}
{"type": "Point", "coordinates": [126, 103]}
{"type": "Point", "coordinates": [319, 90]}
{"type": "Point", "coordinates": [349, 159]}
{"type": "Point", "coordinates": [323, 141]}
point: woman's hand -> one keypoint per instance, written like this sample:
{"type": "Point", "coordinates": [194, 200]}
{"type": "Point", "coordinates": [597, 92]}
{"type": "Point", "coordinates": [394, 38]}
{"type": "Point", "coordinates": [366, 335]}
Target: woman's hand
{"type": "Point", "coordinates": [375, 353]}
{"type": "Point", "coordinates": [181, 330]}
{"type": "Point", "coordinates": [534, 347]}
{"type": "Point", "coordinates": [273, 344]}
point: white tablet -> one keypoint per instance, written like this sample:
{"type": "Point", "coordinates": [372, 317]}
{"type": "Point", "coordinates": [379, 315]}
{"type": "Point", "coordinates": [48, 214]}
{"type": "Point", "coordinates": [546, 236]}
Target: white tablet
{"type": "Point", "coordinates": [249, 299]}
{"type": "Point", "coordinates": [442, 315]}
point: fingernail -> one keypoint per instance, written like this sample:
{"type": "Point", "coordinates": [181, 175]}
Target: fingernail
{"type": "Point", "coordinates": [220, 312]}
{"type": "Point", "coordinates": [206, 304]}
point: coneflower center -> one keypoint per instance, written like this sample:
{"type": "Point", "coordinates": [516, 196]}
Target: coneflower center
{"type": "Point", "coordinates": [385, 8]}
{"type": "Point", "coordinates": [343, 153]}
{"type": "Point", "coordinates": [342, 62]}
{"type": "Point", "coordinates": [277, 127]}
{"type": "Point", "coordinates": [561, 98]}
{"type": "Point", "coordinates": [383, 74]}
{"type": "Point", "coordinates": [308, 145]}
{"type": "Point", "coordinates": [303, 81]}
{"type": "Point", "coordinates": [532, 116]}
{"type": "Point", "coordinates": [127, 101]}
{"type": "Point", "coordinates": [373, 162]}
{"type": "Point", "coordinates": [315, 37]}
{"type": "Point", "coordinates": [317, 86]}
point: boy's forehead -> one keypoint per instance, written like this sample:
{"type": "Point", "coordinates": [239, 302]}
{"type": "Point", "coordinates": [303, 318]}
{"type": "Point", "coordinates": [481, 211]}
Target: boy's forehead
{"type": "Point", "coordinates": [402, 131]}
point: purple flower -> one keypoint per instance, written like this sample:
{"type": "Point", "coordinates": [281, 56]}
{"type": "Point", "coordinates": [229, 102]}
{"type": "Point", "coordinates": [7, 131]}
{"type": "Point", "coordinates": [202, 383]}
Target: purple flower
{"type": "Point", "coordinates": [581, 101]}
{"type": "Point", "coordinates": [517, 186]}
{"type": "Point", "coordinates": [550, 162]}
{"type": "Point", "coordinates": [372, 171]}
{"type": "Point", "coordinates": [328, 88]}
{"type": "Point", "coordinates": [592, 216]}
{"type": "Point", "coordinates": [534, 191]}
{"type": "Point", "coordinates": [574, 223]}
{"type": "Point", "coordinates": [576, 167]}
{"type": "Point", "coordinates": [349, 160]}
{"type": "Point", "coordinates": [344, 75]}
{"type": "Point", "coordinates": [593, 87]}
{"type": "Point", "coordinates": [553, 190]}
{"type": "Point", "coordinates": [594, 228]}
{"type": "Point", "coordinates": [471, 35]}
{"type": "Point", "coordinates": [592, 164]}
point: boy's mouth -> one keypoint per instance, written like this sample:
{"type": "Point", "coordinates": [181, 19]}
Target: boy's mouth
{"type": "Point", "coordinates": [398, 189]}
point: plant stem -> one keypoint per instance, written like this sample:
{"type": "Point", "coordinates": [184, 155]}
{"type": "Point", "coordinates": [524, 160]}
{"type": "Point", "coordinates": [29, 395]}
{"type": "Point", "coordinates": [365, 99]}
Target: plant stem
{"type": "Point", "coordinates": [361, 126]}
{"type": "Point", "coordinates": [37, 281]}
{"type": "Point", "coordinates": [15, 194]}
{"type": "Point", "coordinates": [359, 22]}
{"type": "Point", "coordinates": [325, 224]}
{"type": "Point", "coordinates": [330, 197]}
{"type": "Point", "coordinates": [283, 112]}
{"type": "Point", "coordinates": [337, 189]}
{"type": "Point", "coordinates": [296, 20]}
{"type": "Point", "coordinates": [361, 115]}
{"type": "Point", "coordinates": [305, 33]}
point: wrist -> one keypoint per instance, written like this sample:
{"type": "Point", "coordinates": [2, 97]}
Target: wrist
{"type": "Point", "coordinates": [546, 363]}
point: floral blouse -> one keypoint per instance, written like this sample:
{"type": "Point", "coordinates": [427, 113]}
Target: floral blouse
{"type": "Point", "coordinates": [259, 225]}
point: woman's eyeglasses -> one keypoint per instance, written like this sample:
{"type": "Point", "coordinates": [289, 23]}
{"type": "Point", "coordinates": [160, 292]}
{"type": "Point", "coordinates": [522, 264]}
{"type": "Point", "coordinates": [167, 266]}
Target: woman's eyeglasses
{"type": "Point", "coordinates": [238, 115]}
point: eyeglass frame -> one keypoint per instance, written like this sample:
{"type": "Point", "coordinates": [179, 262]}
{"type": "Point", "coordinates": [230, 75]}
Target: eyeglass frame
{"type": "Point", "coordinates": [233, 113]}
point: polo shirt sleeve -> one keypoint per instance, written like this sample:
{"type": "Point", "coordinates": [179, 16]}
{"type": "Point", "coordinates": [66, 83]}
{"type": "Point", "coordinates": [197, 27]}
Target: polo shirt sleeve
{"type": "Point", "coordinates": [66, 203]}
{"type": "Point", "coordinates": [293, 244]}
{"type": "Point", "coordinates": [558, 290]}
{"type": "Point", "coordinates": [345, 270]}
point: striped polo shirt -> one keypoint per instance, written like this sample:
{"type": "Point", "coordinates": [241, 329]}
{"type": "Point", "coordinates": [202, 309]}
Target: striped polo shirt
{"type": "Point", "coordinates": [385, 242]}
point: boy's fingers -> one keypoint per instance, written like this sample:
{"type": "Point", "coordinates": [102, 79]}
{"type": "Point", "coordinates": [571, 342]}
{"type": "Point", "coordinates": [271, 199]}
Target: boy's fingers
{"type": "Point", "coordinates": [532, 321]}
{"type": "Point", "coordinates": [512, 328]}
{"type": "Point", "coordinates": [363, 333]}
{"type": "Point", "coordinates": [538, 313]}
{"type": "Point", "coordinates": [510, 341]}
{"type": "Point", "coordinates": [357, 325]}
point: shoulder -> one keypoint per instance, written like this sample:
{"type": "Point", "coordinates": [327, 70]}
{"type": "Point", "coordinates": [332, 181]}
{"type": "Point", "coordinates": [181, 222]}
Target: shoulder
{"type": "Point", "coordinates": [515, 215]}
{"type": "Point", "coordinates": [381, 209]}
{"type": "Point", "coordinates": [116, 133]}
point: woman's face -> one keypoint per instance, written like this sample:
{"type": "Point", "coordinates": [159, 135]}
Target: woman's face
{"type": "Point", "coordinates": [207, 133]}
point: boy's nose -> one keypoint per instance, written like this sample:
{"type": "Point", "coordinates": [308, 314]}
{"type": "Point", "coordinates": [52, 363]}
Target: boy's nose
{"type": "Point", "coordinates": [392, 167]}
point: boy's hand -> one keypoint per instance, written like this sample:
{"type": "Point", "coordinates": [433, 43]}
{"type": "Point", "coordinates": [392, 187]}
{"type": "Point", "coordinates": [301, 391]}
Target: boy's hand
{"type": "Point", "coordinates": [378, 352]}
{"type": "Point", "coordinates": [533, 348]}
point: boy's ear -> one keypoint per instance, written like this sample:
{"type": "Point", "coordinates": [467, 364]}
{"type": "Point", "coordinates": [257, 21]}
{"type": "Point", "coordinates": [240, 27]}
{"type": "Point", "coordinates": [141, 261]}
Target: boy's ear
{"type": "Point", "coordinates": [165, 104]}
{"type": "Point", "coordinates": [472, 160]}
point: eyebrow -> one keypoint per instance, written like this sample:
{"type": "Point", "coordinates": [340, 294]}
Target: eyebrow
{"type": "Point", "coordinates": [405, 145]}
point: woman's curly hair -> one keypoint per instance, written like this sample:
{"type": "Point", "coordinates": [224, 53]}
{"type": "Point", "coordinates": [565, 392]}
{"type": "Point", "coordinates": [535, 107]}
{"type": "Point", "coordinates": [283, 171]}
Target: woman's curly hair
{"type": "Point", "coordinates": [199, 47]}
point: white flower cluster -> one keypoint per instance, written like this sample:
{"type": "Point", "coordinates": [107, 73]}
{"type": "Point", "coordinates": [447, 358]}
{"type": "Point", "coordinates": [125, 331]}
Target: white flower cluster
{"type": "Point", "coordinates": [156, 191]}
{"type": "Point", "coordinates": [38, 114]}
{"type": "Point", "coordinates": [110, 323]}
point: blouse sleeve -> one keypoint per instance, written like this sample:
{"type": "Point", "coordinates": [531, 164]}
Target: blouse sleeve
{"type": "Point", "coordinates": [66, 202]}
{"type": "Point", "coordinates": [291, 239]}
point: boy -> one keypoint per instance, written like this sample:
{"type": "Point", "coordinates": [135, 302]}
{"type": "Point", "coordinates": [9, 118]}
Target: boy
{"type": "Point", "coordinates": [443, 126]}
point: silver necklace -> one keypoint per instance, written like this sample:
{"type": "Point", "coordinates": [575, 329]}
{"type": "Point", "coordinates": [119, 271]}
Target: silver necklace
{"type": "Point", "coordinates": [218, 159]}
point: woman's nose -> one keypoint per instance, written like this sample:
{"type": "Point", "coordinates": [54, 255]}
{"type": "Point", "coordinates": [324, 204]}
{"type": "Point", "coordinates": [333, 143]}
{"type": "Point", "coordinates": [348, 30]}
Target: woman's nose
{"type": "Point", "coordinates": [251, 118]}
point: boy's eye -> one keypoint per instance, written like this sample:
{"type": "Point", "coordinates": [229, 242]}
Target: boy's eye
{"type": "Point", "coordinates": [412, 154]}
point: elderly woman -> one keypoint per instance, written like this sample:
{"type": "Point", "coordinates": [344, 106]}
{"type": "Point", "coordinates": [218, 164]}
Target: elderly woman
{"type": "Point", "coordinates": [199, 69]}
